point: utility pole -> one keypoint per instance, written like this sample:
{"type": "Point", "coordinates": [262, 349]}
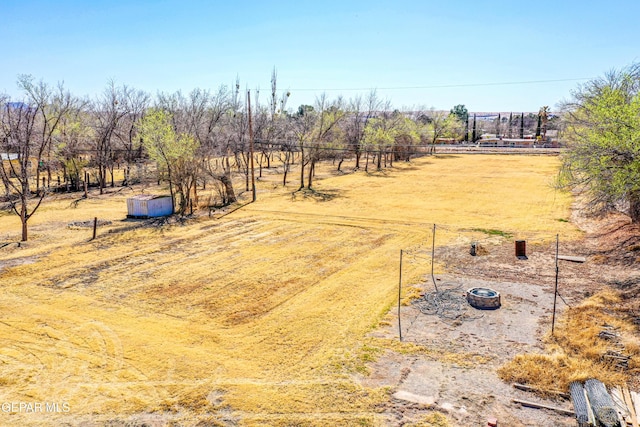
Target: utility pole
{"type": "Point", "coordinates": [400, 298]}
{"type": "Point", "coordinates": [433, 255]}
{"type": "Point", "coordinates": [253, 176]}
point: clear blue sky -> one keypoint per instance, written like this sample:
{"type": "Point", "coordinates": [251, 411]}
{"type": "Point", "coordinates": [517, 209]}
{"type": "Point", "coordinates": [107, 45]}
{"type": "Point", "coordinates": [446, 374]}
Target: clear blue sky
{"type": "Point", "coordinates": [417, 53]}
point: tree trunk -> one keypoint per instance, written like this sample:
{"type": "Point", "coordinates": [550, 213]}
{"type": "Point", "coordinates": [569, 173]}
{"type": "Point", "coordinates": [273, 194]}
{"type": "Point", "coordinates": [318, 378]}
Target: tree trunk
{"type": "Point", "coordinates": [312, 166]}
{"type": "Point", "coordinates": [7, 188]}
{"type": "Point", "coordinates": [173, 197]}
{"type": "Point", "coordinates": [301, 170]}
{"type": "Point", "coordinates": [127, 173]}
{"type": "Point", "coordinates": [194, 186]}
{"type": "Point", "coordinates": [228, 188]}
{"type": "Point", "coordinates": [634, 206]}
{"type": "Point", "coordinates": [284, 178]}
{"type": "Point", "coordinates": [103, 178]}
{"type": "Point", "coordinates": [23, 217]}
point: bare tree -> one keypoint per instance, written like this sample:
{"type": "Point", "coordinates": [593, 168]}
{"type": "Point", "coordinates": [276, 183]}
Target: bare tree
{"type": "Point", "coordinates": [136, 103]}
{"type": "Point", "coordinates": [238, 133]}
{"type": "Point", "coordinates": [330, 114]}
{"type": "Point", "coordinates": [5, 156]}
{"type": "Point", "coordinates": [55, 103]}
{"type": "Point", "coordinates": [286, 152]}
{"type": "Point", "coordinates": [216, 147]}
{"type": "Point", "coordinates": [29, 128]}
{"type": "Point", "coordinates": [21, 143]}
{"type": "Point", "coordinates": [72, 140]}
{"type": "Point", "coordinates": [107, 111]}
{"type": "Point", "coordinates": [303, 126]}
{"type": "Point", "coordinates": [360, 111]}
{"type": "Point", "coordinates": [269, 123]}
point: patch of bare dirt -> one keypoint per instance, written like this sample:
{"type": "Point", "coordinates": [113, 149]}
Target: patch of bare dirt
{"type": "Point", "coordinates": [470, 393]}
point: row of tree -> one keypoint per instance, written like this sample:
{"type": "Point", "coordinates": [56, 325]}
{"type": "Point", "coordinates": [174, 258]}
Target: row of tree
{"type": "Point", "coordinates": [200, 137]}
{"type": "Point", "coordinates": [204, 137]}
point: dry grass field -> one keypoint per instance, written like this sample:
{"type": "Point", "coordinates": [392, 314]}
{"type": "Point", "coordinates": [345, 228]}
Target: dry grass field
{"type": "Point", "coordinates": [252, 318]}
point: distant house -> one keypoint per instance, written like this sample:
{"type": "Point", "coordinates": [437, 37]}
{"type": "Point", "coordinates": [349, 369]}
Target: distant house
{"type": "Point", "coordinates": [9, 156]}
{"type": "Point", "coordinates": [149, 206]}
{"type": "Point", "coordinates": [506, 142]}
{"type": "Point", "coordinates": [11, 162]}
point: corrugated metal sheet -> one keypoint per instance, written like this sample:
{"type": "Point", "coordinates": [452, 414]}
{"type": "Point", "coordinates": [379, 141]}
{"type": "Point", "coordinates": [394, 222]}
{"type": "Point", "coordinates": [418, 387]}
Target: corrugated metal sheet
{"type": "Point", "coordinates": [160, 206]}
{"type": "Point", "coordinates": [149, 206]}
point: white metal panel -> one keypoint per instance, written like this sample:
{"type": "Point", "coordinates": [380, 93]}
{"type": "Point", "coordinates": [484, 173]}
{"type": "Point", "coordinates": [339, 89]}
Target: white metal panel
{"type": "Point", "coordinates": [137, 205]}
{"type": "Point", "coordinates": [160, 206]}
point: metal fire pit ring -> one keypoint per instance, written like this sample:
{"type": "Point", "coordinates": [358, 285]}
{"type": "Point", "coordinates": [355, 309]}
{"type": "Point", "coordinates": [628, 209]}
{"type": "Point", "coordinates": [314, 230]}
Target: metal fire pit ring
{"type": "Point", "coordinates": [483, 298]}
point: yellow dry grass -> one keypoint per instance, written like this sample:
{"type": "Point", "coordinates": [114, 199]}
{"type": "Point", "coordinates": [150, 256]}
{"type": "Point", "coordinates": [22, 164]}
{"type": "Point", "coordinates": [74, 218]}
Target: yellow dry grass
{"type": "Point", "coordinates": [575, 352]}
{"type": "Point", "coordinates": [433, 419]}
{"type": "Point", "coordinates": [258, 317]}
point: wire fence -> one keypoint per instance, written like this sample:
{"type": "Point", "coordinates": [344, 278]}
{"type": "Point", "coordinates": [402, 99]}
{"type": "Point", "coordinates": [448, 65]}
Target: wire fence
{"type": "Point", "coordinates": [448, 300]}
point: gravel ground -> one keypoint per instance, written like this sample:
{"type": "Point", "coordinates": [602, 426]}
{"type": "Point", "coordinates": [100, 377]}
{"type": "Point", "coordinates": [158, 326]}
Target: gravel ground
{"type": "Point", "coordinates": [469, 395]}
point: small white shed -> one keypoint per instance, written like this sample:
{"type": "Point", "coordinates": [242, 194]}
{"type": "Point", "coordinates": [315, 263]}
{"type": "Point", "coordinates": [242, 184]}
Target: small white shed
{"type": "Point", "coordinates": [149, 206]}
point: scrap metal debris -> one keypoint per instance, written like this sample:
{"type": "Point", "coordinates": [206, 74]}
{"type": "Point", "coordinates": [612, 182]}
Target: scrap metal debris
{"type": "Point", "coordinates": [449, 302]}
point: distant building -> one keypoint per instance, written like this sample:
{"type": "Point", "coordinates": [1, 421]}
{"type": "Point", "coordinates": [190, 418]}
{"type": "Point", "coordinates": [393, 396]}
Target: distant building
{"type": "Point", "coordinates": [11, 163]}
{"type": "Point", "coordinates": [506, 142]}
{"type": "Point", "coordinates": [149, 206]}
{"type": "Point", "coordinates": [9, 156]}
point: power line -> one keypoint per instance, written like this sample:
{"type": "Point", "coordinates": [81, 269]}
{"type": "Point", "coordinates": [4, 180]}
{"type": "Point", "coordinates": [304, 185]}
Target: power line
{"type": "Point", "coordinates": [524, 82]}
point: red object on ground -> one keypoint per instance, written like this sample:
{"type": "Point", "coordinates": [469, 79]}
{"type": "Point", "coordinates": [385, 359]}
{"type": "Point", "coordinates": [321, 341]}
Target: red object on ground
{"type": "Point", "coordinates": [492, 422]}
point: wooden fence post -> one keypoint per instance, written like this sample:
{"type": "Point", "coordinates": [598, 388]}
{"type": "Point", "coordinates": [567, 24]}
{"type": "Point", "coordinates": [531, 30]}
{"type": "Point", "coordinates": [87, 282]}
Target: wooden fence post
{"type": "Point", "coordinates": [95, 226]}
